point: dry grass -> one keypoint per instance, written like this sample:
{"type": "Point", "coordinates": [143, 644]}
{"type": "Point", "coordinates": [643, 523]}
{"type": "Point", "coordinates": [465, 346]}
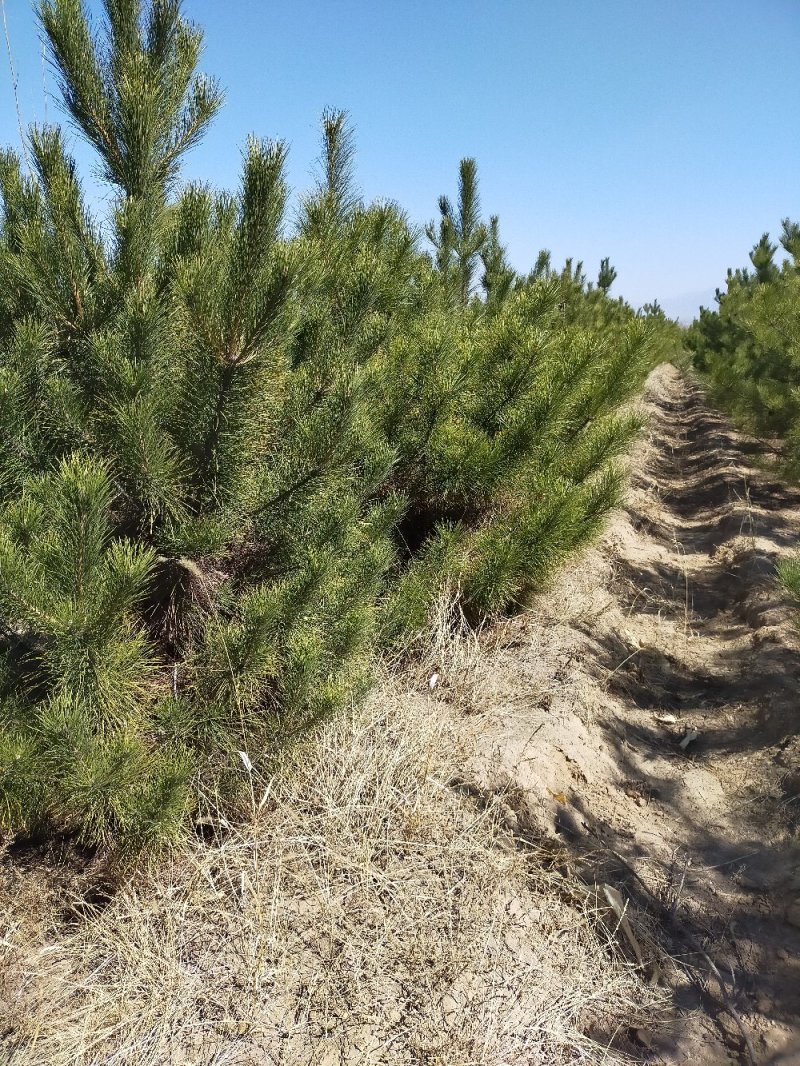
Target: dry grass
{"type": "Point", "coordinates": [368, 914]}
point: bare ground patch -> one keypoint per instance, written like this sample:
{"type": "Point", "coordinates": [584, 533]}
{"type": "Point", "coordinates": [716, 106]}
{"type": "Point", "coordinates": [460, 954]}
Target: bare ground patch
{"type": "Point", "coordinates": [673, 630]}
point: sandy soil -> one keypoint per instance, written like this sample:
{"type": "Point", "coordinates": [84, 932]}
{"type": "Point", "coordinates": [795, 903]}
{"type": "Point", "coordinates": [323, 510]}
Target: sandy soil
{"type": "Point", "coordinates": [577, 843]}
{"type": "Point", "coordinates": [673, 628]}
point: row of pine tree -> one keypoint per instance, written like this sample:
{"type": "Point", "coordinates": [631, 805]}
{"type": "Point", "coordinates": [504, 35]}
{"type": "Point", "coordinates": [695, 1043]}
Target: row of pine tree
{"type": "Point", "coordinates": [747, 349]}
{"type": "Point", "coordinates": [240, 455]}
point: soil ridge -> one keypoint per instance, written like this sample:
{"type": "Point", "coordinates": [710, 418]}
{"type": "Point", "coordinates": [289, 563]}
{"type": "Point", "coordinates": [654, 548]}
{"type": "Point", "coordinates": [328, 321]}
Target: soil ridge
{"type": "Point", "coordinates": [644, 719]}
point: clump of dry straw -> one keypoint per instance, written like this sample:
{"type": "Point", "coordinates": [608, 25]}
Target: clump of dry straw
{"type": "Point", "coordinates": [368, 913]}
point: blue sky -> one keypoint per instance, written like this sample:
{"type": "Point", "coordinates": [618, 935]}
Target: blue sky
{"type": "Point", "coordinates": [662, 133]}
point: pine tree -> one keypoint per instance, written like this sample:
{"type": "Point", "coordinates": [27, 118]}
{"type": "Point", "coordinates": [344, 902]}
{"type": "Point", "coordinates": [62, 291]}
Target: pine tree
{"type": "Point", "coordinates": [498, 277]}
{"type": "Point", "coordinates": [543, 266]}
{"type": "Point", "coordinates": [747, 348]}
{"type": "Point", "coordinates": [606, 276]}
{"type": "Point", "coordinates": [789, 574]}
{"type": "Point", "coordinates": [762, 259]}
{"type": "Point", "coordinates": [508, 458]}
{"type": "Point", "coordinates": [203, 577]}
{"type": "Point", "coordinates": [236, 453]}
{"type": "Point", "coordinates": [790, 239]}
{"type": "Point", "coordinates": [461, 235]}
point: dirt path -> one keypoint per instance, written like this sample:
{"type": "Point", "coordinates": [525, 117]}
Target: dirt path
{"type": "Point", "coordinates": [673, 628]}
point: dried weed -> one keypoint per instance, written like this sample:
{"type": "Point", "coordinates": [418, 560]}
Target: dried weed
{"type": "Point", "coordinates": [367, 914]}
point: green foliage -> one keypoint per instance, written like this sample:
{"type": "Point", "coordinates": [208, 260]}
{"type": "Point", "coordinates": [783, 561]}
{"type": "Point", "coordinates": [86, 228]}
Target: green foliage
{"type": "Point", "coordinates": [461, 236]}
{"type": "Point", "coordinates": [748, 348]}
{"type": "Point", "coordinates": [498, 277]}
{"type": "Point", "coordinates": [789, 574]}
{"type": "Point", "coordinates": [788, 571]}
{"type": "Point", "coordinates": [507, 427]}
{"type": "Point", "coordinates": [78, 673]}
{"type": "Point", "coordinates": [606, 276]}
{"type": "Point", "coordinates": [237, 454]}
{"type": "Point", "coordinates": [208, 464]}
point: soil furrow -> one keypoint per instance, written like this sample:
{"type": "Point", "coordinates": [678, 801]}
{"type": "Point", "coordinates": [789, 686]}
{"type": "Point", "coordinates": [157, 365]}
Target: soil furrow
{"type": "Point", "coordinates": [664, 673]}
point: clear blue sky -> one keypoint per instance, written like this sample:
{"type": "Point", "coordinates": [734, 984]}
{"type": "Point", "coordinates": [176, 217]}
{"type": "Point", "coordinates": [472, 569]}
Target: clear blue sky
{"type": "Point", "coordinates": [662, 133]}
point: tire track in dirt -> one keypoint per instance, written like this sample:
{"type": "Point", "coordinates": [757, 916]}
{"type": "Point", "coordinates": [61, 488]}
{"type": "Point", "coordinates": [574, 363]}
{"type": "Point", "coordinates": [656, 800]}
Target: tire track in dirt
{"type": "Point", "coordinates": [673, 626]}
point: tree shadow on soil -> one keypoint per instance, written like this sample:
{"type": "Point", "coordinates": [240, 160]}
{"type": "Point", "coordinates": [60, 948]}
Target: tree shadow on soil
{"type": "Point", "coordinates": [728, 667]}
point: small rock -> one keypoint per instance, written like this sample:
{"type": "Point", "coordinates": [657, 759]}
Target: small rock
{"type": "Point", "coordinates": [644, 1038]}
{"type": "Point", "coordinates": [755, 879]}
{"type": "Point", "coordinates": [513, 942]}
{"type": "Point", "coordinates": [640, 801]}
{"type": "Point", "coordinates": [451, 1009]}
{"type": "Point", "coordinates": [365, 1040]}
{"type": "Point", "coordinates": [329, 1056]}
{"type": "Point", "coordinates": [782, 954]}
{"type": "Point", "coordinates": [690, 737]}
